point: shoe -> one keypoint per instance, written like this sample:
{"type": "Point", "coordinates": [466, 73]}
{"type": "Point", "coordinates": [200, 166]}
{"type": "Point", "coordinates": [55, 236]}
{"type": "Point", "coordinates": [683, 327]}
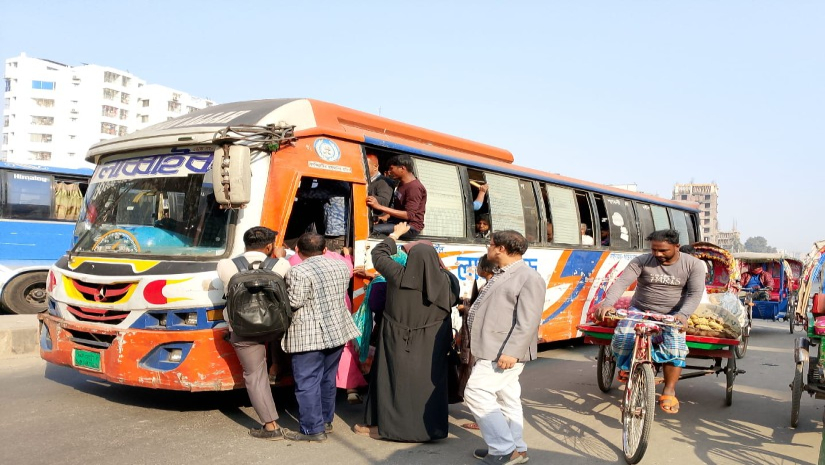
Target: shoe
{"type": "Point", "coordinates": [296, 436]}
{"type": "Point", "coordinates": [328, 428]}
{"type": "Point", "coordinates": [483, 453]}
{"type": "Point", "coordinates": [263, 433]}
{"type": "Point", "coordinates": [354, 398]}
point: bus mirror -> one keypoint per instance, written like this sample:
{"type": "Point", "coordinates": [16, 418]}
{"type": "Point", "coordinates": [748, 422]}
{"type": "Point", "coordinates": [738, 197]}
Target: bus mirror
{"type": "Point", "coordinates": [232, 175]}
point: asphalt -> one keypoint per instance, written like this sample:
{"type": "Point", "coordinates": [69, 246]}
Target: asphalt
{"type": "Point", "coordinates": [18, 335]}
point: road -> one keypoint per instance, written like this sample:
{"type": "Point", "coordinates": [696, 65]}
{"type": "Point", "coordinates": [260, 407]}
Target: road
{"type": "Point", "coordinates": [52, 414]}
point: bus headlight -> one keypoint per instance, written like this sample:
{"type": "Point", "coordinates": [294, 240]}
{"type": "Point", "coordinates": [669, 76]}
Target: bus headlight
{"type": "Point", "coordinates": [175, 355]}
{"type": "Point", "coordinates": [191, 319]}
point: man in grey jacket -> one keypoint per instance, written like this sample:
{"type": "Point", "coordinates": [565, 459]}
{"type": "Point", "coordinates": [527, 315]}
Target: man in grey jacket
{"type": "Point", "coordinates": [504, 323]}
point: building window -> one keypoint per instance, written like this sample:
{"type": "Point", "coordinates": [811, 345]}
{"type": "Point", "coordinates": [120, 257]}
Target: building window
{"type": "Point", "coordinates": [108, 128]}
{"type": "Point", "coordinates": [146, 103]}
{"type": "Point", "coordinates": [174, 106]}
{"type": "Point", "coordinates": [43, 85]}
{"type": "Point", "coordinates": [5, 121]}
{"type": "Point", "coordinates": [706, 213]}
{"type": "Point", "coordinates": [42, 156]}
{"type": "Point", "coordinates": [44, 102]}
{"type": "Point", "coordinates": [110, 94]}
{"type": "Point", "coordinates": [707, 205]}
{"type": "Point", "coordinates": [124, 114]}
{"type": "Point", "coordinates": [191, 109]}
{"type": "Point", "coordinates": [5, 138]}
{"type": "Point", "coordinates": [144, 119]}
{"type": "Point", "coordinates": [125, 81]}
{"type": "Point", "coordinates": [684, 197]}
{"type": "Point", "coordinates": [109, 76]}
{"type": "Point", "coordinates": [8, 84]}
{"type": "Point", "coordinates": [42, 120]}
{"type": "Point", "coordinates": [707, 197]}
{"type": "Point", "coordinates": [44, 138]}
{"type": "Point", "coordinates": [707, 230]}
{"type": "Point", "coordinates": [122, 130]}
{"type": "Point", "coordinates": [109, 112]}
{"type": "Point", "coordinates": [124, 98]}
{"type": "Point", "coordinates": [6, 103]}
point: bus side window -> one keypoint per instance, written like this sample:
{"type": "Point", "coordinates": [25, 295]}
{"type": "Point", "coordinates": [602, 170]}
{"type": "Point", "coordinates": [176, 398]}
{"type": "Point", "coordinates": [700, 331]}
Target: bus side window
{"type": "Point", "coordinates": [645, 215]}
{"type": "Point", "coordinates": [506, 209]}
{"type": "Point", "coordinates": [680, 224]}
{"type": "Point", "coordinates": [28, 197]}
{"type": "Point", "coordinates": [587, 218]}
{"type": "Point", "coordinates": [479, 201]}
{"type": "Point", "coordinates": [445, 215]}
{"type": "Point", "coordinates": [562, 202]}
{"type": "Point", "coordinates": [548, 212]}
{"type": "Point", "coordinates": [660, 218]}
{"type": "Point", "coordinates": [690, 219]}
{"type": "Point", "coordinates": [531, 213]}
{"type": "Point", "coordinates": [621, 224]}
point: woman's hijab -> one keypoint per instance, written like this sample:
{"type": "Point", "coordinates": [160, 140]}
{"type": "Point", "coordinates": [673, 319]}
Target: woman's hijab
{"type": "Point", "coordinates": [425, 273]}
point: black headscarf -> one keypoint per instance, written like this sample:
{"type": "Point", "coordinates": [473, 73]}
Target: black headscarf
{"type": "Point", "coordinates": [425, 274]}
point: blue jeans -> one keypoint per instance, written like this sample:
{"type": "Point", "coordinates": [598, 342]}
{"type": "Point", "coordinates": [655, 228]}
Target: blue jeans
{"type": "Point", "coordinates": [387, 229]}
{"type": "Point", "coordinates": [314, 373]}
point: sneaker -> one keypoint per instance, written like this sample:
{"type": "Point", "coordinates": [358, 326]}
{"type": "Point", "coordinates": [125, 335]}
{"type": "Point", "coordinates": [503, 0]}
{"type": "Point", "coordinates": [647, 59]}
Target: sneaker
{"type": "Point", "coordinates": [482, 453]}
{"type": "Point", "coordinates": [328, 428]}
{"type": "Point", "coordinates": [263, 433]}
{"type": "Point", "coordinates": [296, 436]}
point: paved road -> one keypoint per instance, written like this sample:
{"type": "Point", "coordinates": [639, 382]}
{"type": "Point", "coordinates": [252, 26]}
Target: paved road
{"type": "Point", "coordinates": [54, 415]}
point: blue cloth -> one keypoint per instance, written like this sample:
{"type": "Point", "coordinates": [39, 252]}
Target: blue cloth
{"type": "Point", "coordinates": [670, 346]}
{"type": "Point", "coordinates": [314, 374]}
{"type": "Point", "coordinates": [477, 205]}
{"type": "Point", "coordinates": [754, 282]}
{"type": "Point", "coordinates": [335, 222]}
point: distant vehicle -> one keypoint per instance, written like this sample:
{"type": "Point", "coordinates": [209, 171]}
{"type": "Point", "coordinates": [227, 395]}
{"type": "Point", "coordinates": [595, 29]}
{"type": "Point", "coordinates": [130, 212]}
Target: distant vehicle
{"type": "Point", "coordinates": [39, 206]}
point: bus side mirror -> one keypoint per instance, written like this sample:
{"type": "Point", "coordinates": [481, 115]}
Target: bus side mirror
{"type": "Point", "coordinates": [232, 176]}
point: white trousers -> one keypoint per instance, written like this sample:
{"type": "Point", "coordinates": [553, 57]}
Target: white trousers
{"type": "Point", "coordinates": [493, 396]}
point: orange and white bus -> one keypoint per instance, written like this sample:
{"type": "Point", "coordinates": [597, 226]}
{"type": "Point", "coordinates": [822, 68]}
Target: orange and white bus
{"type": "Point", "coordinates": [137, 300]}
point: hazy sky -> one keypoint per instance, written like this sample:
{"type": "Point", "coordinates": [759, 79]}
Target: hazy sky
{"type": "Point", "coordinates": [645, 92]}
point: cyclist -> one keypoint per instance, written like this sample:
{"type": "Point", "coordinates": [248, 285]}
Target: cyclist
{"type": "Point", "coordinates": [668, 282]}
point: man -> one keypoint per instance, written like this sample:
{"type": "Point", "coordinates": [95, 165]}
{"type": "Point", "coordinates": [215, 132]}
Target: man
{"type": "Point", "coordinates": [251, 352]}
{"type": "Point", "coordinates": [668, 282]}
{"type": "Point", "coordinates": [503, 323]}
{"type": "Point", "coordinates": [320, 328]}
{"type": "Point", "coordinates": [757, 279]}
{"type": "Point", "coordinates": [379, 187]}
{"type": "Point", "coordinates": [410, 200]}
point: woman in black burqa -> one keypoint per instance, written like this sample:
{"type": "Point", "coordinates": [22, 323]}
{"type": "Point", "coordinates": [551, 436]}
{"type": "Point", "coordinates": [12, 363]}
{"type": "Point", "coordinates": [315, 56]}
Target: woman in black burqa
{"type": "Point", "coordinates": [408, 386]}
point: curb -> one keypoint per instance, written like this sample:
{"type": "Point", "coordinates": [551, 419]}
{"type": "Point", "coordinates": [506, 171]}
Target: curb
{"type": "Point", "coordinates": [18, 335]}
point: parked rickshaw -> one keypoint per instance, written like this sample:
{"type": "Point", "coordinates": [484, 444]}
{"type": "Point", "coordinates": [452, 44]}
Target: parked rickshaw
{"type": "Point", "coordinates": [774, 304]}
{"type": "Point", "coordinates": [810, 349]}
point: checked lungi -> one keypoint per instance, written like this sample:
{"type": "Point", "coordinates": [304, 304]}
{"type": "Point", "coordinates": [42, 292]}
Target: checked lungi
{"type": "Point", "coordinates": [669, 346]}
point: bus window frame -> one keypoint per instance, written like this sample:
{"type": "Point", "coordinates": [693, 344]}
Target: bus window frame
{"type": "Point", "coordinates": [644, 244]}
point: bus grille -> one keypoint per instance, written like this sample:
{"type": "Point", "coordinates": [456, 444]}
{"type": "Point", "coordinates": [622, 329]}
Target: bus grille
{"type": "Point", "coordinates": [103, 293]}
{"type": "Point", "coordinates": [98, 315]}
{"type": "Point", "coordinates": [99, 341]}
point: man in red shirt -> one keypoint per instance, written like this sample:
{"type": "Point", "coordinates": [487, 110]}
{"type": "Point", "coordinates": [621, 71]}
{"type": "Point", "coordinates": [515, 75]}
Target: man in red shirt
{"type": "Point", "coordinates": [409, 202]}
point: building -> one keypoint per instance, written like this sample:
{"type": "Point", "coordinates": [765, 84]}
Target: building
{"type": "Point", "coordinates": [707, 196]}
{"type": "Point", "coordinates": [729, 240]}
{"type": "Point", "coordinates": [53, 113]}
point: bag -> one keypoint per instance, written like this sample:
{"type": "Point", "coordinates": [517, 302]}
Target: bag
{"type": "Point", "coordinates": [257, 303]}
{"type": "Point", "coordinates": [455, 393]}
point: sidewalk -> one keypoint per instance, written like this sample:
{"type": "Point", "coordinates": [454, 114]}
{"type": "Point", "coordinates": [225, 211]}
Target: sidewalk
{"type": "Point", "coordinates": [18, 335]}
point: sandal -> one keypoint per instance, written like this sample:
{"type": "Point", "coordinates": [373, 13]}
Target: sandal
{"type": "Point", "coordinates": [471, 425]}
{"type": "Point", "coordinates": [669, 404]}
{"type": "Point", "coordinates": [623, 376]}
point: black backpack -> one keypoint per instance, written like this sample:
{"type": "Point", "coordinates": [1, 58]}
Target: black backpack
{"type": "Point", "coordinates": [257, 303]}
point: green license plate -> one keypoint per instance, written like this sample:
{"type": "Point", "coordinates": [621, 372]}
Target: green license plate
{"type": "Point", "coordinates": [87, 359]}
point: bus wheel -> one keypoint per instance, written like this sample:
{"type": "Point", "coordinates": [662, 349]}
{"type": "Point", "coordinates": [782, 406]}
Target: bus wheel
{"type": "Point", "coordinates": [26, 294]}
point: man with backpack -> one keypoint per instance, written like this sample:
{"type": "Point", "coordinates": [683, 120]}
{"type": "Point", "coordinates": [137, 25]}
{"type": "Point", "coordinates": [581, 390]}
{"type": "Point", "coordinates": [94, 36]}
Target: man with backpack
{"type": "Point", "coordinates": [320, 327]}
{"type": "Point", "coordinates": [250, 347]}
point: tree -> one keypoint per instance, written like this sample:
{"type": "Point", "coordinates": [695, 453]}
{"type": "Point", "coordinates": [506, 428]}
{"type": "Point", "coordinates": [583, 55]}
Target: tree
{"type": "Point", "coordinates": [758, 244]}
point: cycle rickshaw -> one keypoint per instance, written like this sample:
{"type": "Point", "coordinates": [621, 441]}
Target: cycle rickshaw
{"type": "Point", "coordinates": [774, 304]}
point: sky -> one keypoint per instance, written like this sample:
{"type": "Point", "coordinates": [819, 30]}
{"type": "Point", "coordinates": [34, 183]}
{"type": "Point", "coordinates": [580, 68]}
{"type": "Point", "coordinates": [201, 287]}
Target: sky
{"type": "Point", "coordinates": [646, 92]}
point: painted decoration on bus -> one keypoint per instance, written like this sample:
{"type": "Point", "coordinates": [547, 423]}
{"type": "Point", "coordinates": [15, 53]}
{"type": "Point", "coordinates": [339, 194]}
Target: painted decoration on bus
{"type": "Point", "coordinates": [327, 150]}
{"type": "Point", "coordinates": [166, 165]}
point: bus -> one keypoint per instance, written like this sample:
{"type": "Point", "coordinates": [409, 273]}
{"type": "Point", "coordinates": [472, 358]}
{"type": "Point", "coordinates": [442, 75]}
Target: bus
{"type": "Point", "coordinates": [137, 300]}
{"type": "Point", "coordinates": [38, 208]}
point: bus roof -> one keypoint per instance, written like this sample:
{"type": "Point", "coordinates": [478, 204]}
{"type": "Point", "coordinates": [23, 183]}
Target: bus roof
{"type": "Point", "coordinates": [314, 117]}
{"type": "Point", "coordinates": [87, 172]}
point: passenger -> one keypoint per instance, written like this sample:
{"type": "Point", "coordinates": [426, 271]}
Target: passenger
{"type": "Point", "coordinates": [379, 187]}
{"type": "Point", "coordinates": [605, 232]}
{"type": "Point", "coordinates": [587, 239]}
{"type": "Point", "coordinates": [410, 200]}
{"type": "Point", "coordinates": [483, 227]}
{"type": "Point", "coordinates": [483, 187]}
{"type": "Point", "coordinates": [549, 232]}
{"type": "Point", "coordinates": [316, 337]}
{"type": "Point", "coordinates": [415, 338]}
{"type": "Point", "coordinates": [260, 244]}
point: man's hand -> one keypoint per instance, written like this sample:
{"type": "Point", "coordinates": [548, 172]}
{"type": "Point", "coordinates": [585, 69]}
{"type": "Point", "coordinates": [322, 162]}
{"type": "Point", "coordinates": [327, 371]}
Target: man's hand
{"type": "Point", "coordinates": [400, 229]}
{"type": "Point", "coordinates": [372, 202]}
{"type": "Point", "coordinates": [682, 319]}
{"type": "Point", "coordinates": [506, 362]}
{"type": "Point", "coordinates": [383, 218]}
{"type": "Point", "coordinates": [484, 188]}
{"type": "Point", "coordinates": [279, 252]}
{"type": "Point", "coordinates": [602, 311]}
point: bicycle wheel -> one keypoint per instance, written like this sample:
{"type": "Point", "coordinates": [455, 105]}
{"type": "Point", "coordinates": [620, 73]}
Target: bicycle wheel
{"type": "Point", "coordinates": [637, 413]}
{"type": "Point", "coordinates": [742, 348]}
{"type": "Point", "coordinates": [796, 394]}
{"type": "Point", "coordinates": [606, 368]}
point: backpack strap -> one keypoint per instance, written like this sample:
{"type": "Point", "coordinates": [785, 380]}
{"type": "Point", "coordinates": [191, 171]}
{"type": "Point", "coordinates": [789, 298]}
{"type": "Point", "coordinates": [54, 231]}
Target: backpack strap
{"type": "Point", "coordinates": [241, 263]}
{"type": "Point", "coordinates": [269, 263]}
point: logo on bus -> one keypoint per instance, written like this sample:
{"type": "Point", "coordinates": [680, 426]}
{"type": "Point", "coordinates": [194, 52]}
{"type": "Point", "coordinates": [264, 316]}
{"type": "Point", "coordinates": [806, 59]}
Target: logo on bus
{"type": "Point", "coordinates": [327, 150]}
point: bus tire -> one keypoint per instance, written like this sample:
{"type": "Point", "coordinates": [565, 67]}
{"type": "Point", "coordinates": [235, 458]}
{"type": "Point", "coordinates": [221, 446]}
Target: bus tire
{"type": "Point", "coordinates": [26, 294]}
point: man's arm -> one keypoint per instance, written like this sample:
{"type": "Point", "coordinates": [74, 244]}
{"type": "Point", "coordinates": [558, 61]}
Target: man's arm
{"type": "Point", "coordinates": [298, 287]}
{"type": "Point", "coordinates": [630, 274]}
{"type": "Point", "coordinates": [528, 310]}
{"type": "Point", "coordinates": [373, 203]}
{"type": "Point", "coordinates": [694, 288]}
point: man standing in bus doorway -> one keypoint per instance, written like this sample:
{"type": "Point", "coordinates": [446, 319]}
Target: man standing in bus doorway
{"type": "Point", "coordinates": [251, 352]}
{"type": "Point", "coordinates": [379, 187]}
{"type": "Point", "coordinates": [668, 282]}
{"type": "Point", "coordinates": [501, 346]}
{"type": "Point", "coordinates": [320, 327]}
{"type": "Point", "coordinates": [410, 200]}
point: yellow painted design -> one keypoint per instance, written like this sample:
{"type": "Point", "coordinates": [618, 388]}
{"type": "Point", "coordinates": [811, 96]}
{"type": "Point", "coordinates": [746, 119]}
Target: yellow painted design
{"type": "Point", "coordinates": [176, 281]}
{"type": "Point", "coordinates": [73, 293]}
{"type": "Point", "coordinates": [138, 266]}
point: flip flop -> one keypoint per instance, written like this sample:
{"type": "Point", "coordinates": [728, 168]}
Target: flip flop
{"type": "Point", "coordinates": [669, 404]}
{"type": "Point", "coordinates": [623, 376]}
{"type": "Point", "coordinates": [471, 425]}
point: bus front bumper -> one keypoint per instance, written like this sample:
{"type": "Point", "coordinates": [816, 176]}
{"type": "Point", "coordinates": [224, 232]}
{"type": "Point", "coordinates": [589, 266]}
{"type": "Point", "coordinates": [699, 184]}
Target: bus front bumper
{"type": "Point", "coordinates": [198, 360]}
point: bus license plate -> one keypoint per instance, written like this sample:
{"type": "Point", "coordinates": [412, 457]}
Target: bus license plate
{"type": "Point", "coordinates": [87, 359]}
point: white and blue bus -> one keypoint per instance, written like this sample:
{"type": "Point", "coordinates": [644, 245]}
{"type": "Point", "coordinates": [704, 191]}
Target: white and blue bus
{"type": "Point", "coordinates": [39, 206]}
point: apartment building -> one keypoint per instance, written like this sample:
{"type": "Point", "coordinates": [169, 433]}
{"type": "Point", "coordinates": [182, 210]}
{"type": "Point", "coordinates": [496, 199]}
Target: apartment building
{"type": "Point", "coordinates": [53, 113]}
{"type": "Point", "coordinates": [707, 196]}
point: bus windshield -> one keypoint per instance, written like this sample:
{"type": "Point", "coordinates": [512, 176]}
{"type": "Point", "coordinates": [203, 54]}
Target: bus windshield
{"type": "Point", "coordinates": [153, 215]}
